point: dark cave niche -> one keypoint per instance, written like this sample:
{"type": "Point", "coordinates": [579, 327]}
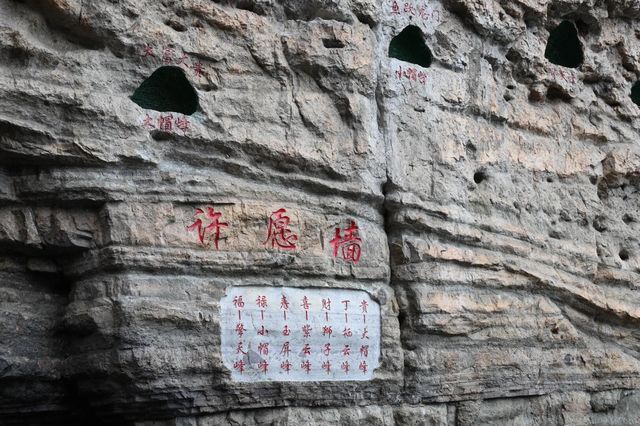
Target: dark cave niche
{"type": "Point", "coordinates": [410, 46]}
{"type": "Point", "coordinates": [564, 47]}
{"type": "Point", "coordinates": [635, 93]}
{"type": "Point", "coordinates": [167, 90]}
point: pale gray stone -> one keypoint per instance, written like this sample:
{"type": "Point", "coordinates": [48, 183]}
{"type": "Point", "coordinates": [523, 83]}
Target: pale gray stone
{"type": "Point", "coordinates": [497, 197]}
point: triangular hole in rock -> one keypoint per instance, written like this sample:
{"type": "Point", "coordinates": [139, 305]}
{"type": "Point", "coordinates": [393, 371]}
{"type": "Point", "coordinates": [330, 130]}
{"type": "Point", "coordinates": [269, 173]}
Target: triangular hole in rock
{"type": "Point", "coordinates": [167, 89]}
{"type": "Point", "coordinates": [564, 47]}
{"type": "Point", "coordinates": [409, 46]}
{"type": "Point", "coordinates": [635, 93]}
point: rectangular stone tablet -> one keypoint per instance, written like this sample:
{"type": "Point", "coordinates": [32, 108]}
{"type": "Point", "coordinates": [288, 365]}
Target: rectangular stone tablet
{"type": "Point", "coordinates": [299, 334]}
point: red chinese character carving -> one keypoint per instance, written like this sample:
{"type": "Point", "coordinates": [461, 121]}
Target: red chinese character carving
{"type": "Point", "coordinates": [261, 301]}
{"type": "Point", "coordinates": [165, 122]}
{"type": "Point", "coordinates": [327, 330]}
{"type": "Point", "coordinates": [364, 350]}
{"type": "Point", "coordinates": [365, 333]}
{"type": "Point", "coordinates": [350, 243]}
{"type": "Point", "coordinates": [286, 331]}
{"type": "Point", "coordinates": [411, 74]}
{"type": "Point", "coordinates": [240, 329]}
{"type": "Point", "coordinates": [284, 303]}
{"type": "Point", "coordinates": [363, 367]}
{"type": "Point", "coordinates": [346, 351]}
{"type": "Point", "coordinates": [306, 366]}
{"type": "Point", "coordinates": [399, 73]}
{"type": "Point", "coordinates": [306, 330]}
{"type": "Point", "coordinates": [239, 349]}
{"type": "Point", "coordinates": [239, 365]}
{"type": "Point", "coordinates": [286, 350]}
{"type": "Point", "coordinates": [408, 8]}
{"type": "Point", "coordinates": [279, 233]}
{"type": "Point", "coordinates": [263, 349]}
{"type": "Point", "coordinates": [363, 306]}
{"type": "Point", "coordinates": [327, 366]}
{"type": "Point", "coordinates": [306, 349]}
{"type": "Point", "coordinates": [264, 366]}
{"type": "Point", "coordinates": [346, 304]}
{"type": "Point", "coordinates": [263, 331]}
{"type": "Point", "coordinates": [148, 51]}
{"type": "Point", "coordinates": [182, 123]}
{"type": "Point", "coordinates": [167, 55]}
{"type": "Point", "coordinates": [182, 60]}
{"type": "Point", "coordinates": [422, 77]}
{"type": "Point", "coordinates": [347, 332]}
{"type": "Point", "coordinates": [395, 9]}
{"type": "Point", "coordinates": [422, 12]}
{"type": "Point", "coordinates": [238, 302]}
{"type": "Point", "coordinates": [286, 366]}
{"type": "Point", "coordinates": [198, 69]}
{"type": "Point", "coordinates": [327, 349]}
{"type": "Point", "coordinates": [212, 227]}
{"type": "Point", "coordinates": [345, 366]}
{"type": "Point", "coordinates": [326, 307]}
{"type": "Point", "coordinates": [326, 304]}
{"type": "Point", "coordinates": [148, 122]}
{"type": "Point", "coordinates": [305, 303]}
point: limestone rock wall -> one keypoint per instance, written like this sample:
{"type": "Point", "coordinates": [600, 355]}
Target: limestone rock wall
{"type": "Point", "coordinates": [497, 197]}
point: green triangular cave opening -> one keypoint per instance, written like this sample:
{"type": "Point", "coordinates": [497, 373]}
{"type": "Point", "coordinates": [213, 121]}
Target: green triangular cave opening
{"type": "Point", "coordinates": [409, 46]}
{"type": "Point", "coordinates": [635, 93]}
{"type": "Point", "coordinates": [167, 89]}
{"type": "Point", "coordinates": [564, 47]}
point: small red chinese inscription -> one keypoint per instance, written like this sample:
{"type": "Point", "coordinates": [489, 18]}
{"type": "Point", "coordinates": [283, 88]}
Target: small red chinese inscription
{"type": "Point", "coordinates": [166, 123]}
{"type": "Point", "coordinates": [169, 56]}
{"type": "Point", "coordinates": [411, 74]}
{"type": "Point", "coordinates": [415, 9]}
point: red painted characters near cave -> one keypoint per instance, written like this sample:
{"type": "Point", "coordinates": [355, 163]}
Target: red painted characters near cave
{"type": "Point", "coordinates": [166, 123]}
{"type": "Point", "coordinates": [208, 225]}
{"type": "Point", "coordinates": [148, 51]}
{"type": "Point", "coordinates": [349, 244]}
{"type": "Point", "coordinates": [172, 56]}
{"type": "Point", "coordinates": [198, 69]}
{"type": "Point", "coordinates": [415, 9]}
{"type": "Point", "coordinates": [280, 234]}
{"type": "Point", "coordinates": [411, 74]}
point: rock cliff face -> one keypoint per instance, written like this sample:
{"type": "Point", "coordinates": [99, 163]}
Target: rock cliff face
{"type": "Point", "coordinates": [496, 193]}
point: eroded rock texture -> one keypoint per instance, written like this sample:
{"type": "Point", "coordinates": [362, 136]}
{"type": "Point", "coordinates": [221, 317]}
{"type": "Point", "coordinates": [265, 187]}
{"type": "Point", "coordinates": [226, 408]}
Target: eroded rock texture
{"type": "Point", "coordinates": [497, 194]}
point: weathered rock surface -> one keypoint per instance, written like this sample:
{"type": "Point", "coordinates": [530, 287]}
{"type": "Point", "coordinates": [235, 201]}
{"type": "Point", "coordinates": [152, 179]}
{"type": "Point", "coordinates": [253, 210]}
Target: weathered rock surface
{"type": "Point", "coordinates": [498, 201]}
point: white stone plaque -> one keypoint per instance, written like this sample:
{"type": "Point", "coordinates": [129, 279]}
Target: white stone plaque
{"type": "Point", "coordinates": [299, 334]}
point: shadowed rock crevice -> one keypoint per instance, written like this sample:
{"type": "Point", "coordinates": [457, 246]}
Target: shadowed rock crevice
{"type": "Point", "coordinates": [410, 46]}
{"type": "Point", "coordinates": [635, 93]}
{"type": "Point", "coordinates": [167, 90]}
{"type": "Point", "coordinates": [564, 47]}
